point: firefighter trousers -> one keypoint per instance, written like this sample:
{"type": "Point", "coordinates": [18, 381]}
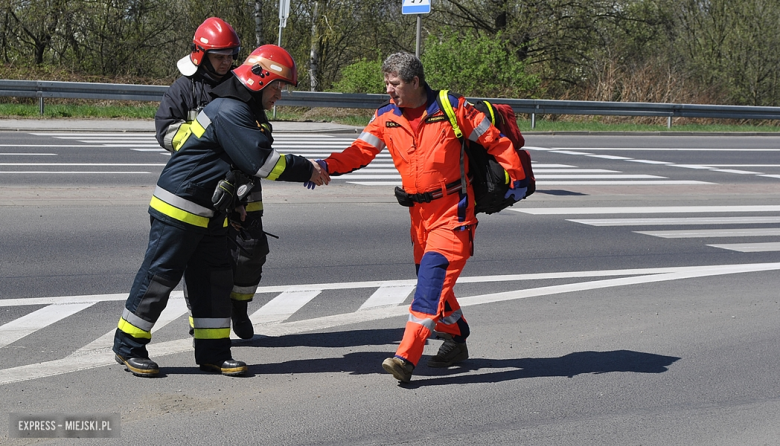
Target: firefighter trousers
{"type": "Point", "coordinates": [204, 259]}
{"type": "Point", "coordinates": [440, 256]}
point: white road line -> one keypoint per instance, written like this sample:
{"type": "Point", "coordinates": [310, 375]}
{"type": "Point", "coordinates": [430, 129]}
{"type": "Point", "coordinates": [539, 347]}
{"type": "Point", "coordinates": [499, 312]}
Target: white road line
{"type": "Point", "coordinates": [575, 151]}
{"type": "Point", "coordinates": [739, 172]}
{"type": "Point", "coordinates": [544, 176]}
{"type": "Point", "coordinates": [391, 295]}
{"type": "Point", "coordinates": [358, 176]}
{"type": "Point", "coordinates": [677, 221]}
{"type": "Point", "coordinates": [703, 233]}
{"type": "Point", "coordinates": [28, 154]}
{"type": "Point", "coordinates": [622, 183]}
{"type": "Point", "coordinates": [572, 170]}
{"type": "Point", "coordinates": [611, 157]}
{"type": "Point", "coordinates": [32, 322]}
{"type": "Point", "coordinates": [99, 358]}
{"type": "Point", "coordinates": [750, 247]}
{"type": "Point", "coordinates": [86, 164]}
{"type": "Point", "coordinates": [283, 306]}
{"type": "Point", "coordinates": [648, 161]}
{"type": "Point", "coordinates": [78, 172]}
{"type": "Point", "coordinates": [173, 310]}
{"type": "Point", "coordinates": [645, 210]}
{"type": "Point", "coordinates": [375, 183]}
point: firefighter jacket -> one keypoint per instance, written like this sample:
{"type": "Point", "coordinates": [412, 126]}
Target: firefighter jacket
{"type": "Point", "coordinates": [181, 103]}
{"type": "Point", "coordinates": [429, 160]}
{"type": "Point", "coordinates": [227, 134]}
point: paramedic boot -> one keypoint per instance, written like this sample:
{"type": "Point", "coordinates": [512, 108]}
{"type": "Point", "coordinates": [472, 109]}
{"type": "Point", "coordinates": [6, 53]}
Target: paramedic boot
{"type": "Point", "coordinates": [242, 326]}
{"type": "Point", "coordinates": [450, 352]}
{"type": "Point", "coordinates": [229, 367]}
{"type": "Point", "coordinates": [401, 369]}
{"type": "Point", "coordinates": [139, 366]}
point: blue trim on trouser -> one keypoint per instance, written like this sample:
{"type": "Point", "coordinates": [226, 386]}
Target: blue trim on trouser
{"type": "Point", "coordinates": [171, 250]}
{"type": "Point", "coordinates": [431, 273]}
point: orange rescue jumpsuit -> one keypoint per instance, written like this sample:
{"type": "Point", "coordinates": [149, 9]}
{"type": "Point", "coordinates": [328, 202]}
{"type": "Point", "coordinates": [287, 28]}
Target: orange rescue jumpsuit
{"type": "Point", "coordinates": [443, 229]}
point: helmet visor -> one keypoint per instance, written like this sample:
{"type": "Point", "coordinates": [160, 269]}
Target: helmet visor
{"type": "Point", "coordinates": [227, 51]}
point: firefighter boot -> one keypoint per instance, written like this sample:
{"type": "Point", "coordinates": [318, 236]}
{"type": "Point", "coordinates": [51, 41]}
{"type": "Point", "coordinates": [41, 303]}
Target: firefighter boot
{"type": "Point", "coordinates": [450, 352]}
{"type": "Point", "coordinates": [229, 367]}
{"type": "Point", "coordinates": [139, 366]}
{"type": "Point", "coordinates": [242, 326]}
{"type": "Point", "coordinates": [401, 369]}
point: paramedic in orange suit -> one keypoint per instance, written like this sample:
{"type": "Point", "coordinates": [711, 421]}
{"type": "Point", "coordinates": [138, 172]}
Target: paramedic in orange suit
{"type": "Point", "coordinates": [427, 154]}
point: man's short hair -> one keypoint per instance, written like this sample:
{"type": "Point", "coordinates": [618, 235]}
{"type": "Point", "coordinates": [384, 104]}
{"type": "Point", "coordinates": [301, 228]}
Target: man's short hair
{"type": "Point", "coordinates": [404, 65]}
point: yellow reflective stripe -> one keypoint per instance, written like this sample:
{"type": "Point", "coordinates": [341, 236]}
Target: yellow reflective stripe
{"type": "Point", "coordinates": [506, 177]}
{"type": "Point", "coordinates": [212, 333]}
{"type": "Point", "coordinates": [179, 214]}
{"type": "Point", "coordinates": [242, 297]}
{"type": "Point", "coordinates": [197, 129]}
{"type": "Point", "coordinates": [490, 109]}
{"type": "Point", "coordinates": [254, 206]}
{"type": "Point", "coordinates": [445, 103]}
{"type": "Point", "coordinates": [278, 168]}
{"type": "Point", "coordinates": [184, 132]}
{"type": "Point", "coordinates": [132, 330]}
{"type": "Point", "coordinates": [192, 323]}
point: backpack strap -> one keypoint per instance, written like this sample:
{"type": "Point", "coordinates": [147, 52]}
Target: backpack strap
{"type": "Point", "coordinates": [444, 104]}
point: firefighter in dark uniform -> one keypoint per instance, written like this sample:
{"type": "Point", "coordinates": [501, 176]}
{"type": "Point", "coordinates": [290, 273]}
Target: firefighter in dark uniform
{"type": "Point", "coordinates": [229, 148]}
{"type": "Point", "coordinates": [214, 48]}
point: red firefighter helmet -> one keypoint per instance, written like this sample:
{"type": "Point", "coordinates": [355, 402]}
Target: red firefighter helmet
{"type": "Point", "coordinates": [266, 64]}
{"type": "Point", "coordinates": [213, 36]}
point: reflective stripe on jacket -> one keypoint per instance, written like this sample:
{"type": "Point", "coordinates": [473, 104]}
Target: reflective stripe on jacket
{"type": "Point", "coordinates": [225, 135]}
{"type": "Point", "coordinates": [429, 159]}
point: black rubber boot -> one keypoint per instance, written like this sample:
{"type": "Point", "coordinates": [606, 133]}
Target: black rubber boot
{"type": "Point", "coordinates": [139, 366]}
{"type": "Point", "coordinates": [229, 367]}
{"type": "Point", "coordinates": [242, 326]}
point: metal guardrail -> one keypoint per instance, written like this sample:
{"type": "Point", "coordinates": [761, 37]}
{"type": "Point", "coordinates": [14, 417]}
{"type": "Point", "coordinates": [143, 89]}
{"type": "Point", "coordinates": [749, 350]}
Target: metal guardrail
{"type": "Point", "coordinates": [533, 107]}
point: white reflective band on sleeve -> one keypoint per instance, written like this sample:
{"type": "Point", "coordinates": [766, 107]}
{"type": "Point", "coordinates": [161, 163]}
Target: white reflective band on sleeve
{"type": "Point", "coordinates": [427, 323]}
{"type": "Point", "coordinates": [373, 140]}
{"type": "Point", "coordinates": [181, 203]}
{"type": "Point", "coordinates": [137, 321]}
{"type": "Point", "coordinates": [479, 130]}
{"type": "Point", "coordinates": [204, 120]}
{"type": "Point", "coordinates": [269, 164]}
{"type": "Point", "coordinates": [244, 289]}
{"type": "Point", "coordinates": [453, 318]}
{"type": "Point", "coordinates": [254, 196]}
{"type": "Point", "coordinates": [211, 322]}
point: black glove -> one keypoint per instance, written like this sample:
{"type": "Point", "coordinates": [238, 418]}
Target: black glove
{"type": "Point", "coordinates": [225, 193]}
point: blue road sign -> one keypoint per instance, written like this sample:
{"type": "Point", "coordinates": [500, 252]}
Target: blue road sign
{"type": "Point", "coordinates": [416, 7]}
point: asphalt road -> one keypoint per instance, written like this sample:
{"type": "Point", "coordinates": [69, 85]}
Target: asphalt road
{"type": "Point", "coordinates": [633, 300]}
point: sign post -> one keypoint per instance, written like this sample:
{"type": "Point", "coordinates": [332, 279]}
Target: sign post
{"type": "Point", "coordinates": [418, 7]}
{"type": "Point", "coordinates": [284, 12]}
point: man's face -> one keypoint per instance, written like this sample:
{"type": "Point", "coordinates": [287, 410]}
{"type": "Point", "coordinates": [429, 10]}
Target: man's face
{"type": "Point", "coordinates": [402, 93]}
{"type": "Point", "coordinates": [272, 93]}
{"type": "Point", "coordinates": [221, 62]}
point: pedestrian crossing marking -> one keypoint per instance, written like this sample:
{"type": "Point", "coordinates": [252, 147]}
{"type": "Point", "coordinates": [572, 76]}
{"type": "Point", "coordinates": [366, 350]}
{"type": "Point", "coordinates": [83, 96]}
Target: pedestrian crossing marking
{"type": "Point", "coordinates": [388, 295]}
{"type": "Point", "coordinates": [283, 306]}
{"type": "Point", "coordinates": [32, 322]}
{"type": "Point", "coordinates": [704, 233]}
{"type": "Point", "coordinates": [677, 221]}
{"type": "Point", "coordinates": [99, 356]}
{"type": "Point", "coordinates": [750, 247]}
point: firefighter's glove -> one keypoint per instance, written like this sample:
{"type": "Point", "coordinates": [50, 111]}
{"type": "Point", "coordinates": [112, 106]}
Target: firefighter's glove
{"type": "Point", "coordinates": [225, 193]}
{"type": "Point", "coordinates": [244, 184]}
{"type": "Point", "coordinates": [516, 192]}
{"type": "Point", "coordinates": [324, 166]}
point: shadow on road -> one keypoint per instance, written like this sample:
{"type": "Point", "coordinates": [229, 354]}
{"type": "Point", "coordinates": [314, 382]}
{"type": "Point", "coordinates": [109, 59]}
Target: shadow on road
{"type": "Point", "coordinates": [473, 370]}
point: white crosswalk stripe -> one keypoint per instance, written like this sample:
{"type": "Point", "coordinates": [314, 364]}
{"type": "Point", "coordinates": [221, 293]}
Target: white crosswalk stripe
{"type": "Point", "coordinates": [381, 171]}
{"type": "Point", "coordinates": [385, 301]}
{"type": "Point", "coordinates": [728, 222]}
